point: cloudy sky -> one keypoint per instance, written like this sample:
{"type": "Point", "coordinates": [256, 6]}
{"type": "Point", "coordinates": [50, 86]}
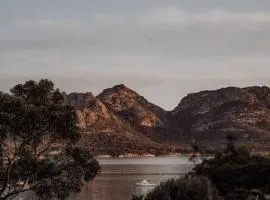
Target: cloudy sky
{"type": "Point", "coordinates": [163, 49]}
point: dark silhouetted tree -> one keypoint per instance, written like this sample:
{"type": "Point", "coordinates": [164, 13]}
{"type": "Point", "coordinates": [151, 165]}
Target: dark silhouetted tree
{"type": "Point", "coordinates": [38, 136]}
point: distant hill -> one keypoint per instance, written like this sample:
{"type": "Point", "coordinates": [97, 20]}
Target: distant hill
{"type": "Point", "coordinates": [119, 120]}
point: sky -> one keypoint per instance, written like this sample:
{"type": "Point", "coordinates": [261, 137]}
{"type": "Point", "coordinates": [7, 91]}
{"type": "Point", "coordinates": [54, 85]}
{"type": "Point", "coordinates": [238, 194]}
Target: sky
{"type": "Point", "coordinates": [162, 49]}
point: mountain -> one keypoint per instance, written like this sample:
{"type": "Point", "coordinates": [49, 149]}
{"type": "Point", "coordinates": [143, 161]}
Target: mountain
{"type": "Point", "coordinates": [132, 107]}
{"type": "Point", "coordinates": [107, 132]}
{"type": "Point", "coordinates": [135, 110]}
{"type": "Point", "coordinates": [119, 120]}
{"type": "Point", "coordinates": [209, 116]}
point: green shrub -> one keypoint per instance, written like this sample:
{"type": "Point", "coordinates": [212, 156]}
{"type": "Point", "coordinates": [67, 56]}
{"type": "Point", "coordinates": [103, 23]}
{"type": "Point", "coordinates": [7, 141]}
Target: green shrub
{"type": "Point", "coordinates": [188, 188]}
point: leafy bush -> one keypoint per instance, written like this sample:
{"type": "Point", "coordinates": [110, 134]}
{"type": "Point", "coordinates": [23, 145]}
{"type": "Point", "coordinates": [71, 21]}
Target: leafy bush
{"type": "Point", "coordinates": [187, 188]}
{"type": "Point", "coordinates": [134, 197]}
{"type": "Point", "coordinates": [235, 170]}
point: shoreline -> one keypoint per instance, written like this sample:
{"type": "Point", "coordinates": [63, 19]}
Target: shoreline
{"type": "Point", "coordinates": [130, 155]}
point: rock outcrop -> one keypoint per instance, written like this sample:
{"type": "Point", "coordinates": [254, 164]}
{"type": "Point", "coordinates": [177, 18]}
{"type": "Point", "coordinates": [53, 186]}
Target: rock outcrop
{"type": "Point", "coordinates": [120, 120]}
{"type": "Point", "coordinates": [107, 131]}
{"type": "Point", "coordinates": [209, 116]}
{"type": "Point", "coordinates": [132, 107]}
{"type": "Point", "coordinates": [135, 110]}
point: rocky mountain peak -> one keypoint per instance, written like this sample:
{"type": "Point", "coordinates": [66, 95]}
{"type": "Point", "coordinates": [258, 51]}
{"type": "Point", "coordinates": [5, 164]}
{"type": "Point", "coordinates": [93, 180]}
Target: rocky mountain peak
{"type": "Point", "coordinates": [205, 101]}
{"type": "Point", "coordinates": [206, 116]}
{"type": "Point", "coordinates": [120, 90]}
{"type": "Point", "coordinates": [211, 115]}
{"type": "Point", "coordinates": [120, 87]}
{"type": "Point", "coordinates": [132, 107]}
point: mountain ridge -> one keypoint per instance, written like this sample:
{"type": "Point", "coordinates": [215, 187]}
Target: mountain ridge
{"type": "Point", "coordinates": [206, 116]}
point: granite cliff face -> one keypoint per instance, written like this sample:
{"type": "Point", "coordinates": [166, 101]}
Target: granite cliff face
{"type": "Point", "coordinates": [135, 110]}
{"type": "Point", "coordinates": [120, 120]}
{"type": "Point", "coordinates": [209, 116]}
{"type": "Point", "coordinates": [108, 131]}
{"type": "Point", "coordinates": [132, 107]}
{"type": "Point", "coordinates": [92, 113]}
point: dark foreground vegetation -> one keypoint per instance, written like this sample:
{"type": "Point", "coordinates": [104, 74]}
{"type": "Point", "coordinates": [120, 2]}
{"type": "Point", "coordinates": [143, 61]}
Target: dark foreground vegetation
{"type": "Point", "coordinates": [192, 188]}
{"type": "Point", "coordinates": [233, 174]}
{"type": "Point", "coordinates": [38, 151]}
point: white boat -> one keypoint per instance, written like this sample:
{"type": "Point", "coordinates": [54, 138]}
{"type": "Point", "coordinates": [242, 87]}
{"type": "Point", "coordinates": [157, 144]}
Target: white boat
{"type": "Point", "coordinates": [145, 183]}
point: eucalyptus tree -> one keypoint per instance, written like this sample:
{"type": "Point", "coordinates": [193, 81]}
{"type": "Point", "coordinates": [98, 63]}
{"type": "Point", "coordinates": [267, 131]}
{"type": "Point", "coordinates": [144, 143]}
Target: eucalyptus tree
{"type": "Point", "coordinates": [38, 151]}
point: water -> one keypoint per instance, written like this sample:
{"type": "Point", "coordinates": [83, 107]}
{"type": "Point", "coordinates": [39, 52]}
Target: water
{"type": "Point", "coordinates": [120, 175]}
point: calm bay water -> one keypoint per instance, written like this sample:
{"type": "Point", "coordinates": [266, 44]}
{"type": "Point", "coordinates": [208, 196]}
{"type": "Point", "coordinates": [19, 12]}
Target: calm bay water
{"type": "Point", "coordinates": [119, 176]}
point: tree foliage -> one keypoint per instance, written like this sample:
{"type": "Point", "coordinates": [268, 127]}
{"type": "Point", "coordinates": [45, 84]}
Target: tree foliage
{"type": "Point", "coordinates": [235, 172]}
{"type": "Point", "coordinates": [38, 136]}
{"type": "Point", "coordinates": [186, 188]}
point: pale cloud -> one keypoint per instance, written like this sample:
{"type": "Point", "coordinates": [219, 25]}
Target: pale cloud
{"type": "Point", "coordinates": [168, 32]}
{"type": "Point", "coordinates": [175, 15]}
